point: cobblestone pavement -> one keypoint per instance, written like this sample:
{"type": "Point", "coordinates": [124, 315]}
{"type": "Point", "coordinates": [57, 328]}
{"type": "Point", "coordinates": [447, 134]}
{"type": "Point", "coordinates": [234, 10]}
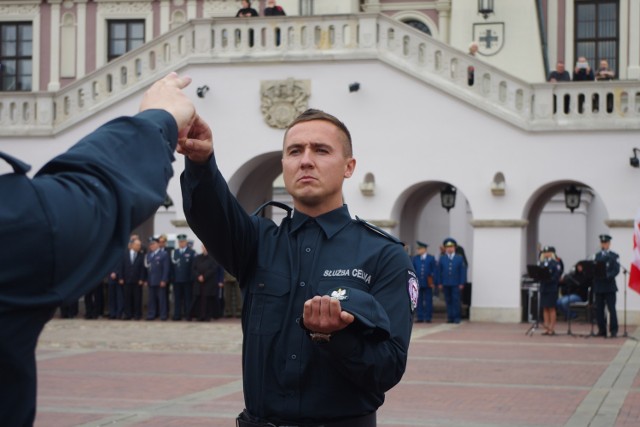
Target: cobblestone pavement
{"type": "Point", "coordinates": [117, 373]}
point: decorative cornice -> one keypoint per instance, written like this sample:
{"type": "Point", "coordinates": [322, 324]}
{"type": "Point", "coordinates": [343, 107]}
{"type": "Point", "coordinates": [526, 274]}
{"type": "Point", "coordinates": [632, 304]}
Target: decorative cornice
{"type": "Point", "coordinates": [7, 10]}
{"type": "Point", "coordinates": [179, 223]}
{"type": "Point", "coordinates": [499, 223]}
{"type": "Point", "coordinates": [619, 223]}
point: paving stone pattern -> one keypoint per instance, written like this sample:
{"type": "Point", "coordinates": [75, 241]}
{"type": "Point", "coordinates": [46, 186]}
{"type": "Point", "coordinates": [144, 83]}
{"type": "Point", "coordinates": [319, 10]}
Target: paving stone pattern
{"type": "Point", "coordinates": [117, 373]}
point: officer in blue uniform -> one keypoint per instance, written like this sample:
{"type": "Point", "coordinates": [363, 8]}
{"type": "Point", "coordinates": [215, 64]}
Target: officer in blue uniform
{"type": "Point", "coordinates": [549, 288]}
{"type": "Point", "coordinates": [157, 280]}
{"type": "Point", "coordinates": [99, 190]}
{"type": "Point", "coordinates": [452, 275]}
{"type": "Point", "coordinates": [605, 288]}
{"type": "Point", "coordinates": [425, 266]}
{"type": "Point", "coordinates": [182, 259]}
{"type": "Point", "coordinates": [328, 300]}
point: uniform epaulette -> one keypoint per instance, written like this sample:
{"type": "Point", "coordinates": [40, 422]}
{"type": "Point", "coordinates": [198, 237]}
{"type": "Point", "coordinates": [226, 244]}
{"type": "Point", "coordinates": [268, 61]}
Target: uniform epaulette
{"type": "Point", "coordinates": [378, 230]}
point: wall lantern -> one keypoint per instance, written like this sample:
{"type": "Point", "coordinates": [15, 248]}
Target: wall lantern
{"type": "Point", "coordinates": [167, 201]}
{"type": "Point", "coordinates": [485, 8]}
{"type": "Point", "coordinates": [572, 197]}
{"type": "Point", "coordinates": [448, 196]}
{"type": "Point", "coordinates": [634, 161]}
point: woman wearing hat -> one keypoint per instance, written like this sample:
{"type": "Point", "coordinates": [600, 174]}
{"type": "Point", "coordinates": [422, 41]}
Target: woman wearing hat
{"type": "Point", "coordinates": [549, 289]}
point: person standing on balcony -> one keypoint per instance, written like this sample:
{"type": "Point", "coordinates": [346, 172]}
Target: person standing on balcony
{"type": "Point", "coordinates": [99, 190]}
{"type": "Point", "coordinates": [246, 11]}
{"type": "Point", "coordinates": [273, 9]}
{"type": "Point", "coordinates": [473, 49]}
{"type": "Point", "coordinates": [560, 74]}
{"type": "Point", "coordinates": [604, 73]}
{"type": "Point", "coordinates": [581, 73]}
{"type": "Point", "coordinates": [329, 300]}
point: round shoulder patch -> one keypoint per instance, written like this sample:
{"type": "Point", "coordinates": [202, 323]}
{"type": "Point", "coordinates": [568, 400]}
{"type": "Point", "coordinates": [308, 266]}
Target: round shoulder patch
{"type": "Point", "coordinates": [412, 289]}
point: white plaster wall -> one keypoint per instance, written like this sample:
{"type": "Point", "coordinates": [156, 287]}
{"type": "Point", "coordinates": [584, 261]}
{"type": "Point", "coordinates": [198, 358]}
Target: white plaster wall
{"type": "Point", "coordinates": [405, 132]}
{"type": "Point", "coordinates": [521, 54]}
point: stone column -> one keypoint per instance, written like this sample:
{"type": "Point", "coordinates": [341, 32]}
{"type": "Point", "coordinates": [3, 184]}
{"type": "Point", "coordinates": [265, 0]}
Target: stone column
{"type": "Point", "coordinates": [191, 10]}
{"type": "Point", "coordinates": [54, 79]}
{"type": "Point", "coordinates": [444, 19]}
{"type": "Point", "coordinates": [495, 293]}
{"type": "Point", "coordinates": [633, 71]}
{"type": "Point", "coordinates": [82, 39]}
{"type": "Point", "coordinates": [372, 6]}
{"type": "Point", "coordinates": [164, 16]}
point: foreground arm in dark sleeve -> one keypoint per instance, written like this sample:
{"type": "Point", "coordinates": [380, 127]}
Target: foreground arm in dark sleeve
{"type": "Point", "coordinates": [89, 198]}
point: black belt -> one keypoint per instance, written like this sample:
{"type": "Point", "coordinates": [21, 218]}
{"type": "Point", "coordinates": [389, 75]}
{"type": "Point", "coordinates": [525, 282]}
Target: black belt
{"type": "Point", "coordinates": [369, 420]}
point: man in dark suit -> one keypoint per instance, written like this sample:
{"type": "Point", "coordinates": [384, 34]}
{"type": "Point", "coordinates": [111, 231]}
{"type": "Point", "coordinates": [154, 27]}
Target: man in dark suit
{"type": "Point", "coordinates": [182, 260]}
{"type": "Point", "coordinates": [132, 276]}
{"type": "Point", "coordinates": [157, 263]}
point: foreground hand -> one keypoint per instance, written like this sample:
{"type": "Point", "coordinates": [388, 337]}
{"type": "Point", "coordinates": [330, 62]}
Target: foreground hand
{"type": "Point", "coordinates": [197, 144]}
{"type": "Point", "coordinates": [324, 314]}
{"type": "Point", "coordinates": [166, 94]}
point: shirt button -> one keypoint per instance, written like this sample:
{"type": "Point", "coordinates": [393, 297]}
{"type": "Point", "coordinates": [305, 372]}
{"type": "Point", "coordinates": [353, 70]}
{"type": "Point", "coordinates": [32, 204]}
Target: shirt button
{"type": "Point", "coordinates": [307, 250]}
{"type": "Point", "coordinates": [293, 357]}
{"type": "Point", "coordinates": [261, 285]}
{"type": "Point", "coordinates": [302, 283]}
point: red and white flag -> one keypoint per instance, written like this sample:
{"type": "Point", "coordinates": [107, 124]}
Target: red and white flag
{"type": "Point", "coordinates": [634, 275]}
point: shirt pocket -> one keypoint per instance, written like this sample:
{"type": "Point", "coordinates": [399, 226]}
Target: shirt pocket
{"type": "Point", "coordinates": [269, 302]}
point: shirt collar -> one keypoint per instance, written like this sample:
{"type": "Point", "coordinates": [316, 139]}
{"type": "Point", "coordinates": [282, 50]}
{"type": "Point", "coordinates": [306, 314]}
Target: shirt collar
{"type": "Point", "coordinates": [330, 222]}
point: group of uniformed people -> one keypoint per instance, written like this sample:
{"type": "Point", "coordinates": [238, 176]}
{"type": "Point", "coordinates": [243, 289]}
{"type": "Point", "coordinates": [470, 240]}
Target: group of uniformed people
{"type": "Point", "coordinates": [177, 280]}
{"type": "Point", "coordinates": [448, 273]}
{"type": "Point", "coordinates": [598, 273]}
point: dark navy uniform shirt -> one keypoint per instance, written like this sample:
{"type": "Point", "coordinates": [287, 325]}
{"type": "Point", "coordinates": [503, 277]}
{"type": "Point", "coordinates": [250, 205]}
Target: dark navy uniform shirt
{"type": "Point", "coordinates": [286, 376]}
{"type": "Point", "coordinates": [88, 199]}
{"type": "Point", "coordinates": [182, 261]}
{"type": "Point", "coordinates": [607, 284]}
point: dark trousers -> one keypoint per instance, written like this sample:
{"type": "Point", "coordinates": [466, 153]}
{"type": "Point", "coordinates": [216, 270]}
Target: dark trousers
{"type": "Point", "coordinates": [157, 303]}
{"type": "Point", "coordinates": [116, 299]}
{"type": "Point", "coordinates": [132, 301]}
{"type": "Point", "coordinates": [452, 299]}
{"type": "Point", "coordinates": [94, 303]}
{"type": "Point", "coordinates": [182, 296]}
{"type": "Point", "coordinates": [609, 300]}
{"type": "Point", "coordinates": [424, 310]}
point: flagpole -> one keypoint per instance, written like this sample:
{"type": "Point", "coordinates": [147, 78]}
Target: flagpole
{"type": "Point", "coordinates": [624, 271]}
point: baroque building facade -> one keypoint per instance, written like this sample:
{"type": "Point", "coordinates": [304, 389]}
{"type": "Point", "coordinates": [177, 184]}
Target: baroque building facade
{"type": "Point", "coordinates": [398, 74]}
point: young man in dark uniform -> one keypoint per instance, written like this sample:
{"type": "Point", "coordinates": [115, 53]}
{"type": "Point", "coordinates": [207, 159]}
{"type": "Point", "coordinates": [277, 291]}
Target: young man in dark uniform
{"type": "Point", "coordinates": [99, 190]}
{"type": "Point", "coordinates": [605, 288]}
{"type": "Point", "coordinates": [182, 260]}
{"type": "Point", "coordinates": [425, 267]}
{"type": "Point", "coordinates": [328, 300]}
{"type": "Point", "coordinates": [451, 275]}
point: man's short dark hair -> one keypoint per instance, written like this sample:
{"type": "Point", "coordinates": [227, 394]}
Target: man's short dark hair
{"type": "Point", "coordinates": [313, 114]}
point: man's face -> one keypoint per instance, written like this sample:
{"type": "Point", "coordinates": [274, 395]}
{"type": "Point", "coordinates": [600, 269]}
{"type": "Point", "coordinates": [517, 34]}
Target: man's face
{"type": "Point", "coordinates": [421, 250]}
{"type": "Point", "coordinates": [314, 165]}
{"type": "Point", "coordinates": [153, 245]}
{"type": "Point", "coordinates": [136, 245]}
{"type": "Point", "coordinates": [450, 249]}
{"type": "Point", "coordinates": [560, 67]}
{"type": "Point", "coordinates": [182, 243]}
{"type": "Point", "coordinates": [605, 245]}
{"type": "Point", "coordinates": [162, 242]}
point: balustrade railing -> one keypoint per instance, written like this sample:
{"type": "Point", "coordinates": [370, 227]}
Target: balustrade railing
{"type": "Point", "coordinates": [535, 107]}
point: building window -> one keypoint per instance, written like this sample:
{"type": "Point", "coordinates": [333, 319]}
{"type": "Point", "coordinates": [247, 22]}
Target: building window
{"type": "Point", "coordinates": [124, 35]}
{"type": "Point", "coordinates": [16, 43]}
{"type": "Point", "coordinates": [418, 25]}
{"type": "Point", "coordinates": [597, 28]}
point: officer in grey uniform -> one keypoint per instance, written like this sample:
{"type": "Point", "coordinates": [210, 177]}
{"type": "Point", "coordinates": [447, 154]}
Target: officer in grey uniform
{"type": "Point", "coordinates": [605, 288]}
{"type": "Point", "coordinates": [328, 300]}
